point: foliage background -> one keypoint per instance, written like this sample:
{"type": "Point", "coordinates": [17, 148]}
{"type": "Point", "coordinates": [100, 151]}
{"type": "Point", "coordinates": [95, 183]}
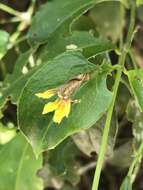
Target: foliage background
{"type": "Point", "coordinates": [32, 52]}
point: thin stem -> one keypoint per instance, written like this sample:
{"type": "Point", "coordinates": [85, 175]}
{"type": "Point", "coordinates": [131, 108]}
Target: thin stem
{"type": "Point", "coordinates": [135, 164]}
{"type": "Point", "coordinates": [110, 110]}
{"type": "Point", "coordinates": [127, 85]}
{"type": "Point", "coordinates": [9, 10]}
{"type": "Point", "coordinates": [11, 20]}
{"type": "Point", "coordinates": [22, 25]}
{"type": "Point", "coordinates": [133, 59]}
{"type": "Point", "coordinates": [16, 34]}
{"type": "Point", "coordinates": [86, 168]}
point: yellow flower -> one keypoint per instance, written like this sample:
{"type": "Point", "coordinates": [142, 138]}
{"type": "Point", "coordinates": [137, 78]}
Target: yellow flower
{"type": "Point", "coordinates": [61, 106]}
{"type": "Point", "coordinates": [47, 94]}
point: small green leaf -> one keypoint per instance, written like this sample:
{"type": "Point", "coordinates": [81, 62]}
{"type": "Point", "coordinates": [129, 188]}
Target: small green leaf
{"type": "Point", "coordinates": [19, 166]}
{"type": "Point", "coordinates": [122, 157]}
{"type": "Point", "coordinates": [6, 134]}
{"type": "Point", "coordinates": [106, 24]}
{"type": "Point", "coordinates": [4, 40]}
{"type": "Point", "coordinates": [15, 82]}
{"type": "Point", "coordinates": [95, 99]}
{"type": "Point", "coordinates": [61, 164]}
{"type": "Point", "coordinates": [136, 117]}
{"type": "Point", "coordinates": [126, 185]}
{"type": "Point", "coordinates": [136, 81]}
{"type": "Point", "coordinates": [139, 2]}
{"type": "Point", "coordinates": [88, 141]}
{"type": "Point", "coordinates": [140, 16]}
{"type": "Point", "coordinates": [22, 61]}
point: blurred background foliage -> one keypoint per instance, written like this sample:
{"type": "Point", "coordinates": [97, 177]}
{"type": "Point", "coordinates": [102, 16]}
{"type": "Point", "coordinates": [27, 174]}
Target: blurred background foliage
{"type": "Point", "coordinates": [70, 166]}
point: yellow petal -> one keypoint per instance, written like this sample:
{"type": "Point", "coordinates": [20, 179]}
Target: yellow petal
{"type": "Point", "coordinates": [62, 111]}
{"type": "Point", "coordinates": [47, 94]}
{"type": "Point", "coordinates": [68, 108]}
{"type": "Point", "coordinates": [51, 106]}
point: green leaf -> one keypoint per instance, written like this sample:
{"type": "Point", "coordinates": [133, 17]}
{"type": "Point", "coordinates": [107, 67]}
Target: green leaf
{"type": "Point", "coordinates": [4, 40]}
{"type": "Point", "coordinates": [139, 2]}
{"type": "Point", "coordinates": [88, 141]}
{"type": "Point", "coordinates": [136, 82]}
{"type": "Point", "coordinates": [122, 157]}
{"type": "Point", "coordinates": [22, 61]}
{"type": "Point", "coordinates": [95, 99]}
{"type": "Point", "coordinates": [87, 43]}
{"type": "Point", "coordinates": [136, 117]}
{"type": "Point", "coordinates": [106, 24]}
{"type": "Point", "coordinates": [126, 185]}
{"type": "Point", "coordinates": [15, 82]}
{"type": "Point", "coordinates": [61, 165]}
{"type": "Point", "coordinates": [19, 166]}
{"type": "Point", "coordinates": [140, 15]}
{"type": "Point", "coordinates": [6, 134]}
{"type": "Point", "coordinates": [56, 16]}
{"type": "Point", "coordinates": [84, 23]}
{"type": "Point", "coordinates": [53, 16]}
{"type": "Point", "coordinates": [63, 162]}
{"type": "Point", "coordinates": [83, 40]}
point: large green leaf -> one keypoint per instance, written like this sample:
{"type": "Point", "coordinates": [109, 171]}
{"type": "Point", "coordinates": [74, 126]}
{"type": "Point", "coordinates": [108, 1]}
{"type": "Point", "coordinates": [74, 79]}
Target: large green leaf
{"type": "Point", "coordinates": [56, 16]}
{"type": "Point", "coordinates": [84, 41]}
{"type": "Point", "coordinates": [95, 99]}
{"type": "Point", "coordinates": [19, 166]}
{"type": "Point", "coordinates": [136, 82]}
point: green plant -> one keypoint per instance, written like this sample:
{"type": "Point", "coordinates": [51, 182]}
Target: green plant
{"type": "Point", "coordinates": [71, 85]}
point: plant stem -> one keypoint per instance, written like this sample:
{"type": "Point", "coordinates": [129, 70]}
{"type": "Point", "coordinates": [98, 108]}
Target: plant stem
{"type": "Point", "coordinates": [22, 25]}
{"type": "Point", "coordinates": [9, 10]}
{"type": "Point", "coordinates": [135, 164]}
{"type": "Point", "coordinates": [133, 59]}
{"type": "Point", "coordinates": [121, 62]}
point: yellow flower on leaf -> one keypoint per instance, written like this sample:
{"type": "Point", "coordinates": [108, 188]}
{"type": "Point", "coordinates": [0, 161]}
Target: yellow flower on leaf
{"type": "Point", "coordinates": [61, 106]}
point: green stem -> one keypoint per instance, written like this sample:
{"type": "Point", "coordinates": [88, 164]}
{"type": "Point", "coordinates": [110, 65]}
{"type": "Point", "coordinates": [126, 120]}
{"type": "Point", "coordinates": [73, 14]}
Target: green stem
{"type": "Point", "coordinates": [11, 20]}
{"type": "Point", "coordinates": [122, 59]}
{"type": "Point", "coordinates": [22, 25]}
{"type": "Point", "coordinates": [9, 10]}
{"type": "Point", "coordinates": [133, 59]}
